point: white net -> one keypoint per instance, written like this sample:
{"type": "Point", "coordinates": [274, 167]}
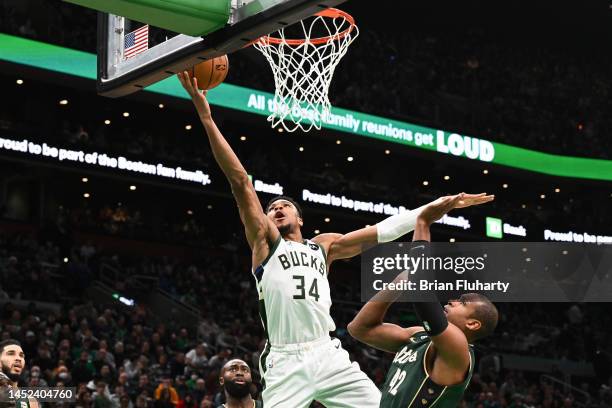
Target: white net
{"type": "Point", "coordinates": [303, 68]}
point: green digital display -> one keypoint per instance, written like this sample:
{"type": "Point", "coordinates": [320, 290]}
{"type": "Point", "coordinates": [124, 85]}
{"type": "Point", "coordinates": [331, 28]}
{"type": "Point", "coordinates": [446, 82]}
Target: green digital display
{"type": "Point", "coordinates": [50, 57]}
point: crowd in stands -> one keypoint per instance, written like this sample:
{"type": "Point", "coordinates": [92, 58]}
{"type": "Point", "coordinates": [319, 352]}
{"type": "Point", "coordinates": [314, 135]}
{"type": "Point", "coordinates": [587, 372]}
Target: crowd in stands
{"type": "Point", "coordinates": [124, 357]}
{"type": "Point", "coordinates": [525, 91]}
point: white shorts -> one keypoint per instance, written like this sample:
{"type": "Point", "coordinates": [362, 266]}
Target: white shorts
{"type": "Point", "coordinates": [294, 375]}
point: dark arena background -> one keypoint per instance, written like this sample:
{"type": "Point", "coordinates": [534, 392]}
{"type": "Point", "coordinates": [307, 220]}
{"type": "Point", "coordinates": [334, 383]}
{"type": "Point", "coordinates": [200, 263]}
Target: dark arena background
{"type": "Point", "coordinates": [120, 282]}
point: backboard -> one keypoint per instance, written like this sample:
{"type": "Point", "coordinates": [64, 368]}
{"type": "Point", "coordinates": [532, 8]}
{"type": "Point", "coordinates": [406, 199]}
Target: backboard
{"type": "Point", "coordinates": [248, 20]}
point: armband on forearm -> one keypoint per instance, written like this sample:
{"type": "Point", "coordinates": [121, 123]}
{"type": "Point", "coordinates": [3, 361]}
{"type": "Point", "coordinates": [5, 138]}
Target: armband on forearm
{"type": "Point", "coordinates": [397, 225]}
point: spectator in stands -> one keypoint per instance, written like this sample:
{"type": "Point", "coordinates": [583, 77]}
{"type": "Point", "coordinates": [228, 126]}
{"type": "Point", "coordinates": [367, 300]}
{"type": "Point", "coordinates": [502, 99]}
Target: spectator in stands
{"type": "Point", "coordinates": [83, 399]}
{"type": "Point", "coordinates": [165, 387]}
{"type": "Point", "coordinates": [106, 375]}
{"type": "Point", "coordinates": [196, 358]}
{"type": "Point", "coordinates": [220, 359]}
{"type": "Point", "coordinates": [83, 371]}
{"type": "Point", "coordinates": [101, 396]}
{"type": "Point", "coordinates": [165, 399]}
{"type": "Point", "coordinates": [141, 401]}
{"type": "Point", "coordinates": [119, 351]}
{"type": "Point", "coordinates": [187, 402]}
{"type": "Point", "coordinates": [200, 391]}
{"type": "Point", "coordinates": [161, 369]}
{"type": "Point", "coordinates": [144, 387]}
{"type": "Point", "coordinates": [125, 402]}
{"type": "Point", "coordinates": [177, 365]}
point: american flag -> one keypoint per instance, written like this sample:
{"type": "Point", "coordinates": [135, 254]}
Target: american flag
{"type": "Point", "coordinates": [136, 42]}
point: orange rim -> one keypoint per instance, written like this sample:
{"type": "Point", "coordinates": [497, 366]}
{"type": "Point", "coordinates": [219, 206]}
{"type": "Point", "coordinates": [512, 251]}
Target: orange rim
{"type": "Point", "coordinates": [329, 13]}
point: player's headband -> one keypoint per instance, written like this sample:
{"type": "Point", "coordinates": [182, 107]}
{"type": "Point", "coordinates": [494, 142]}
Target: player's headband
{"type": "Point", "coordinates": [286, 198]}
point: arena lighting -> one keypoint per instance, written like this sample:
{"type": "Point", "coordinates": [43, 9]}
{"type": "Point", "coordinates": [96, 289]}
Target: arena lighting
{"type": "Point", "coordinates": [542, 196]}
{"type": "Point", "coordinates": [301, 149]}
{"type": "Point", "coordinates": [19, 82]}
{"type": "Point", "coordinates": [338, 141]}
{"type": "Point", "coordinates": [243, 138]}
{"type": "Point", "coordinates": [209, 206]}
{"type": "Point", "coordinates": [387, 151]}
{"type": "Point", "coordinates": [65, 260]}
{"type": "Point", "coordinates": [504, 185]}
{"type": "Point", "coordinates": [557, 190]}
{"type": "Point", "coordinates": [446, 178]}
{"type": "Point", "coordinates": [63, 102]}
{"type": "Point", "coordinates": [86, 195]}
{"type": "Point", "coordinates": [161, 106]}
{"type": "Point", "coordinates": [84, 179]}
{"type": "Point", "coordinates": [133, 187]}
{"type": "Point", "coordinates": [451, 240]}
{"type": "Point", "coordinates": [187, 127]}
{"type": "Point", "coordinates": [524, 206]}
{"type": "Point", "coordinates": [124, 300]}
{"type": "Point", "coordinates": [425, 183]}
{"type": "Point", "coordinates": [485, 171]}
{"type": "Point", "coordinates": [327, 219]}
{"type": "Point", "coordinates": [107, 122]}
{"type": "Point", "coordinates": [189, 212]}
{"type": "Point", "coordinates": [280, 130]}
{"type": "Point", "coordinates": [350, 158]}
{"type": "Point", "coordinates": [126, 114]}
{"type": "Point", "coordinates": [317, 231]}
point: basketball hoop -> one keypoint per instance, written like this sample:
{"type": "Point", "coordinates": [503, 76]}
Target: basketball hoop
{"type": "Point", "coordinates": [303, 68]}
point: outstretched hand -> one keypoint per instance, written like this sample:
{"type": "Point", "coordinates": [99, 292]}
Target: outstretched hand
{"type": "Point", "coordinates": [468, 200]}
{"type": "Point", "coordinates": [197, 96]}
{"type": "Point", "coordinates": [438, 208]}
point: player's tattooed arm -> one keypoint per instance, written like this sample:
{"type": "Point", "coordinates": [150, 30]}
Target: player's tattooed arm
{"type": "Point", "coordinates": [342, 246]}
{"type": "Point", "coordinates": [260, 232]}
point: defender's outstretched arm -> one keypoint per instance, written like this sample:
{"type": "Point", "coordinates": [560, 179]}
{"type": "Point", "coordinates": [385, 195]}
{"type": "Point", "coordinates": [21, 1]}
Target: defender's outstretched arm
{"type": "Point", "coordinates": [450, 343]}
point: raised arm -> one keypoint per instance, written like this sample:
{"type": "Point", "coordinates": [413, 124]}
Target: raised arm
{"type": "Point", "coordinates": [342, 246]}
{"type": "Point", "coordinates": [260, 232]}
{"type": "Point", "coordinates": [451, 346]}
{"type": "Point", "coordinates": [368, 326]}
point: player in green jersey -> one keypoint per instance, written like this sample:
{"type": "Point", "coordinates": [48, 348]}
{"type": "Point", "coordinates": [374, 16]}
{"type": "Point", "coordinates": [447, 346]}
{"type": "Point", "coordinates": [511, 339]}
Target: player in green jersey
{"type": "Point", "coordinates": [433, 364]}
{"type": "Point", "coordinates": [12, 359]}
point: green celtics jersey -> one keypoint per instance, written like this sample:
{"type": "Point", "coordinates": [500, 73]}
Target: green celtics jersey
{"type": "Point", "coordinates": [22, 403]}
{"type": "Point", "coordinates": [408, 384]}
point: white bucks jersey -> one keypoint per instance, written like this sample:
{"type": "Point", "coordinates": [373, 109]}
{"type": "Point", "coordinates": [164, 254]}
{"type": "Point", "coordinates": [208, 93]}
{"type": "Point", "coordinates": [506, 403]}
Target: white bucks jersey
{"type": "Point", "coordinates": [294, 297]}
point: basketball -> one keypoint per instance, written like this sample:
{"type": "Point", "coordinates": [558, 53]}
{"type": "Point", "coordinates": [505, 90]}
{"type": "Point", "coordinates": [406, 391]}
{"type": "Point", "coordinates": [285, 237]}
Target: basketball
{"type": "Point", "coordinates": [210, 73]}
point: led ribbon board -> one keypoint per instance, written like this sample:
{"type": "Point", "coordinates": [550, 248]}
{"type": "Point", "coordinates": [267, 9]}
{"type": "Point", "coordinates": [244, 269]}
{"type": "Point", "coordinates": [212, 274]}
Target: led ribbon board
{"type": "Point", "coordinates": [64, 60]}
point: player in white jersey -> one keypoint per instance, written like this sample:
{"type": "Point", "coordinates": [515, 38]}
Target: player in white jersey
{"type": "Point", "coordinates": [300, 363]}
